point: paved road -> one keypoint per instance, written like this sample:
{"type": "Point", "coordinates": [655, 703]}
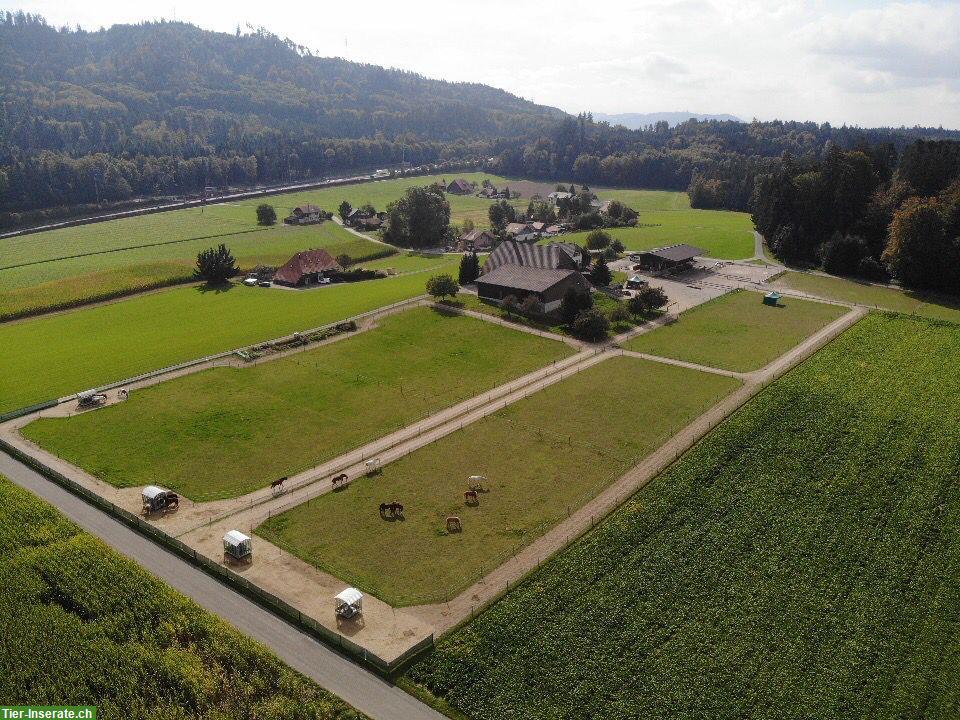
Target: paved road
{"type": "Point", "coordinates": [362, 689]}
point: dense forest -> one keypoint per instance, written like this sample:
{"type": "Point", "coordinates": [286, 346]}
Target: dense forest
{"type": "Point", "coordinates": [166, 108]}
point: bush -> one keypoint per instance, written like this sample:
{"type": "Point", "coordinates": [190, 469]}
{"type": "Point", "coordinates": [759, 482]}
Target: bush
{"type": "Point", "coordinates": [591, 325]}
{"type": "Point", "coordinates": [617, 246]}
{"type": "Point", "coordinates": [647, 299]}
{"type": "Point", "coordinates": [509, 304]}
{"type": "Point", "coordinates": [598, 239]}
{"type": "Point", "coordinates": [619, 314]}
{"type": "Point", "coordinates": [573, 302]}
{"type": "Point", "coordinates": [266, 215]}
{"type": "Point", "coordinates": [344, 260]}
{"type": "Point", "coordinates": [440, 286]}
{"type": "Point", "coordinates": [216, 265]}
{"type": "Point", "coordinates": [531, 306]}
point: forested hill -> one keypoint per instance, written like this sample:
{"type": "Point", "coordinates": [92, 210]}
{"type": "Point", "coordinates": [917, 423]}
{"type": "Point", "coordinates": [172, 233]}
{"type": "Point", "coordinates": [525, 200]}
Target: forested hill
{"type": "Point", "coordinates": [263, 107]}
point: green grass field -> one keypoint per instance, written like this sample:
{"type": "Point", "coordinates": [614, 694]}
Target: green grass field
{"type": "Point", "coordinates": [225, 432]}
{"type": "Point", "coordinates": [56, 284]}
{"type": "Point", "coordinates": [84, 625]}
{"type": "Point", "coordinates": [722, 234]}
{"type": "Point", "coordinates": [801, 563]}
{"type": "Point", "coordinates": [47, 357]}
{"type": "Point", "coordinates": [737, 331]}
{"type": "Point", "coordinates": [836, 288]}
{"type": "Point", "coordinates": [544, 455]}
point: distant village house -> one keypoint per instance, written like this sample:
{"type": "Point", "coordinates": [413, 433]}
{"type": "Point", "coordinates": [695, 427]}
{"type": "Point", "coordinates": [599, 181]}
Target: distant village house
{"type": "Point", "coordinates": [480, 240]}
{"type": "Point", "coordinates": [460, 187]}
{"type": "Point", "coordinates": [304, 215]}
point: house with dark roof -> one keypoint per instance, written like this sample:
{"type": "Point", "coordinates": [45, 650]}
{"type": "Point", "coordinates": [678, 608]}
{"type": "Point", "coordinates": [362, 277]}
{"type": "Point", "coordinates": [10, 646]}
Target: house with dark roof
{"type": "Point", "coordinates": [460, 187]}
{"type": "Point", "coordinates": [304, 215]}
{"type": "Point", "coordinates": [306, 268]}
{"type": "Point", "coordinates": [673, 258]}
{"type": "Point", "coordinates": [552, 256]}
{"type": "Point", "coordinates": [476, 240]}
{"type": "Point", "coordinates": [546, 284]}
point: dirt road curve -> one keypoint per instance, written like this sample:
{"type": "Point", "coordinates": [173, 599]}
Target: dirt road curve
{"type": "Point", "coordinates": [362, 689]}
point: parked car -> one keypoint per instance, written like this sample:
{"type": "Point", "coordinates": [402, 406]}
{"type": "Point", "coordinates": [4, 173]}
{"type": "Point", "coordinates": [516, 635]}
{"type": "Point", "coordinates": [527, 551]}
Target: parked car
{"type": "Point", "coordinates": [323, 281]}
{"type": "Point", "coordinates": [264, 283]}
{"type": "Point", "coordinates": [250, 282]}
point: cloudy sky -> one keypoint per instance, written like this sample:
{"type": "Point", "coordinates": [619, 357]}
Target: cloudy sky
{"type": "Point", "coordinates": [843, 61]}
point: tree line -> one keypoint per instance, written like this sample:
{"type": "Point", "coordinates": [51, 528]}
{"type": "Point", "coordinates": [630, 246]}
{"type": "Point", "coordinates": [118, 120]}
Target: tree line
{"type": "Point", "coordinates": [870, 211]}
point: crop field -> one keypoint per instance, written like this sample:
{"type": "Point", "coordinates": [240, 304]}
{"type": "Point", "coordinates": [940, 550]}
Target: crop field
{"type": "Point", "coordinates": [737, 331]}
{"type": "Point", "coordinates": [723, 234]}
{"type": "Point", "coordinates": [225, 432]}
{"type": "Point", "coordinates": [543, 456]}
{"type": "Point", "coordinates": [56, 284]}
{"type": "Point", "coordinates": [837, 288]}
{"type": "Point", "coordinates": [48, 357]}
{"type": "Point", "coordinates": [802, 562]}
{"type": "Point", "coordinates": [84, 625]}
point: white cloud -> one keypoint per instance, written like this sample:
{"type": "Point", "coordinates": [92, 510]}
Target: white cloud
{"type": "Point", "coordinates": [846, 61]}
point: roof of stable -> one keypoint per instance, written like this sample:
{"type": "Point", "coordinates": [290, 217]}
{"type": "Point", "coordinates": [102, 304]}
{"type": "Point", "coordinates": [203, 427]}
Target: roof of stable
{"type": "Point", "coordinates": [551, 255]}
{"type": "Point", "coordinates": [350, 596]}
{"type": "Point", "coordinates": [524, 277]}
{"type": "Point", "coordinates": [305, 263]}
{"type": "Point", "coordinates": [235, 537]}
{"type": "Point", "coordinates": [675, 253]}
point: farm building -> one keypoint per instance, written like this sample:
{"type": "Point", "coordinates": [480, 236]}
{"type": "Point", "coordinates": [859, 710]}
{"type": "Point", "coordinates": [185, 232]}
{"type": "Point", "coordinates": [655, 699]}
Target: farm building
{"type": "Point", "coordinates": [556, 197]}
{"type": "Point", "coordinates": [460, 187]}
{"type": "Point", "coordinates": [491, 193]}
{"type": "Point", "coordinates": [358, 217]}
{"type": "Point", "coordinates": [553, 256]}
{"type": "Point", "coordinates": [548, 285]}
{"type": "Point", "coordinates": [521, 232]}
{"type": "Point", "coordinates": [306, 268]}
{"type": "Point", "coordinates": [672, 258]}
{"type": "Point", "coordinates": [476, 240]}
{"type": "Point", "coordinates": [304, 215]}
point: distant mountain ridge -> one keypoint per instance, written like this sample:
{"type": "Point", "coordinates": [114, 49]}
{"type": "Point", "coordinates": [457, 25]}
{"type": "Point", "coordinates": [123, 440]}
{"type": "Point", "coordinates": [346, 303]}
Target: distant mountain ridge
{"type": "Point", "coordinates": [638, 121]}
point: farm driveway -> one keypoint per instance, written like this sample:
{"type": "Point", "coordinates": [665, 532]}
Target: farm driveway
{"type": "Point", "coordinates": [362, 689]}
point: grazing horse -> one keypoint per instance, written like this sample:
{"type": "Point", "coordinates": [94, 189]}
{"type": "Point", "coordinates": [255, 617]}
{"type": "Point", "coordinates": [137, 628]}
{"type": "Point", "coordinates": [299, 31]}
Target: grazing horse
{"type": "Point", "coordinates": [454, 524]}
{"type": "Point", "coordinates": [394, 508]}
{"type": "Point", "coordinates": [173, 500]}
{"type": "Point", "coordinates": [470, 497]}
{"type": "Point", "coordinates": [339, 480]}
{"type": "Point", "coordinates": [373, 466]}
{"type": "Point", "coordinates": [278, 484]}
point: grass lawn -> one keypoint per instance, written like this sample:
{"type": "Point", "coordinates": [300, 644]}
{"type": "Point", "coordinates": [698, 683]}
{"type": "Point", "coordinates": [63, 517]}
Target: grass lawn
{"type": "Point", "coordinates": [802, 562]}
{"type": "Point", "coordinates": [543, 455]}
{"type": "Point", "coordinates": [47, 357]}
{"type": "Point", "coordinates": [908, 302]}
{"type": "Point", "coordinates": [737, 331]}
{"type": "Point", "coordinates": [720, 233]}
{"type": "Point", "coordinates": [101, 630]}
{"type": "Point", "coordinates": [56, 284]}
{"type": "Point", "coordinates": [225, 432]}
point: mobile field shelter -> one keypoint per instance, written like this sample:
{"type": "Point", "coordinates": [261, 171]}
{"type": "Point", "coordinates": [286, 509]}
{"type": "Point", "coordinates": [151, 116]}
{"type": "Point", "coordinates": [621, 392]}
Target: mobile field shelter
{"type": "Point", "coordinates": [237, 545]}
{"type": "Point", "coordinates": [772, 298]}
{"type": "Point", "coordinates": [348, 603]}
{"type": "Point", "coordinates": [157, 498]}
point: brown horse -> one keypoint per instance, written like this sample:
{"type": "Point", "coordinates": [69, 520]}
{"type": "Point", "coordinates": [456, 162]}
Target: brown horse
{"type": "Point", "coordinates": [394, 508]}
{"type": "Point", "coordinates": [470, 497]}
{"type": "Point", "coordinates": [277, 484]}
{"type": "Point", "coordinates": [339, 480]}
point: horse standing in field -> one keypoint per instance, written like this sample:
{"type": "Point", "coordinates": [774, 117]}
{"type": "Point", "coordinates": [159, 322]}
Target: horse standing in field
{"type": "Point", "coordinates": [394, 509]}
{"type": "Point", "coordinates": [339, 481]}
{"type": "Point", "coordinates": [470, 497]}
{"type": "Point", "coordinates": [277, 485]}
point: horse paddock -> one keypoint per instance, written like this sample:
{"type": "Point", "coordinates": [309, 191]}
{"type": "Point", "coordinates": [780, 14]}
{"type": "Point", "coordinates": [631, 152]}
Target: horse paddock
{"type": "Point", "coordinates": [542, 458]}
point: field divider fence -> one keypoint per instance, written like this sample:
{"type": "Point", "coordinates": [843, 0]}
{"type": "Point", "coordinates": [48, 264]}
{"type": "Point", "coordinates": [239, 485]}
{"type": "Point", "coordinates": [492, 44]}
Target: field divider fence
{"type": "Point", "coordinates": [235, 581]}
{"type": "Point", "coordinates": [386, 309]}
